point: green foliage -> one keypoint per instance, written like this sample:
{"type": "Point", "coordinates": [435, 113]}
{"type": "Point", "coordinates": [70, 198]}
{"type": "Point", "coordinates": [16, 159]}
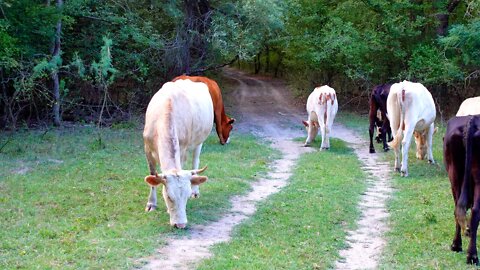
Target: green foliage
{"type": "Point", "coordinates": [462, 43]}
{"type": "Point", "coordinates": [103, 71]}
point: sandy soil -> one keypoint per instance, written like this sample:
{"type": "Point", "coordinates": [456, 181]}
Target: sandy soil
{"type": "Point", "coordinates": [366, 242]}
{"type": "Point", "coordinates": [262, 106]}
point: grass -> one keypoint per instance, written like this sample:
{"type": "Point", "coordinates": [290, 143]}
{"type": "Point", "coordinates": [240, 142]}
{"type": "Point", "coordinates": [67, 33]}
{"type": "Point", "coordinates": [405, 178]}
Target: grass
{"type": "Point", "coordinates": [421, 211]}
{"type": "Point", "coordinates": [422, 219]}
{"type": "Point", "coordinates": [303, 226]}
{"type": "Point", "coordinates": [67, 202]}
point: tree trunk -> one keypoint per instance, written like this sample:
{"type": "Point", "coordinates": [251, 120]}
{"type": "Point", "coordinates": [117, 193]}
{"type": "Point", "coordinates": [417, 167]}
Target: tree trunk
{"type": "Point", "coordinates": [257, 62]}
{"type": "Point", "coordinates": [267, 61]}
{"type": "Point", "coordinates": [56, 81]}
{"type": "Point", "coordinates": [443, 18]}
{"type": "Point", "coordinates": [196, 24]}
{"type": "Point", "coordinates": [279, 63]}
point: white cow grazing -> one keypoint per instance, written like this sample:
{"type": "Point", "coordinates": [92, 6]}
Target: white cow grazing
{"type": "Point", "coordinates": [179, 117]}
{"type": "Point", "coordinates": [411, 110]}
{"type": "Point", "coordinates": [469, 106]}
{"type": "Point", "coordinates": [322, 106]}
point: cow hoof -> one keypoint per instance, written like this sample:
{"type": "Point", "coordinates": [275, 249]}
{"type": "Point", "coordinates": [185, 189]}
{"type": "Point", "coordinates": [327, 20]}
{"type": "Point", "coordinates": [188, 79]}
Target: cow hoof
{"type": "Point", "coordinates": [386, 149]}
{"type": "Point", "coordinates": [472, 259]}
{"type": "Point", "coordinates": [404, 173]}
{"type": "Point", "coordinates": [396, 169]}
{"type": "Point", "coordinates": [372, 151]}
{"type": "Point", "coordinates": [195, 195]}
{"type": "Point", "coordinates": [150, 208]}
{"type": "Point", "coordinates": [431, 161]}
{"type": "Point", "coordinates": [306, 145]}
{"type": "Point", "coordinates": [180, 226]}
{"type": "Point", "coordinates": [455, 248]}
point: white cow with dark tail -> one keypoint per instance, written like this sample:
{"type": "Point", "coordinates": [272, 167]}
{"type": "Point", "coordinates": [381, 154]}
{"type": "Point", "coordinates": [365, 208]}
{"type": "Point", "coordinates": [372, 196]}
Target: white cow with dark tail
{"type": "Point", "coordinates": [411, 111]}
{"type": "Point", "coordinates": [322, 106]}
{"type": "Point", "coordinates": [179, 117]}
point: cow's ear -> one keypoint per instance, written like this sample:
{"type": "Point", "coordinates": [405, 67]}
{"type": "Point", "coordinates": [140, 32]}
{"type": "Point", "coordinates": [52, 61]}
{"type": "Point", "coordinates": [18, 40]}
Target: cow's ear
{"type": "Point", "coordinates": [155, 180]}
{"type": "Point", "coordinates": [197, 179]}
{"type": "Point", "coordinates": [305, 123]}
{"type": "Point", "coordinates": [231, 121]}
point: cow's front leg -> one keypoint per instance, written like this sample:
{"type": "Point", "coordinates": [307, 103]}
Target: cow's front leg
{"type": "Point", "coordinates": [312, 131]}
{"type": "Point", "coordinates": [407, 139]}
{"type": "Point", "coordinates": [195, 165]}
{"type": "Point", "coordinates": [152, 200]}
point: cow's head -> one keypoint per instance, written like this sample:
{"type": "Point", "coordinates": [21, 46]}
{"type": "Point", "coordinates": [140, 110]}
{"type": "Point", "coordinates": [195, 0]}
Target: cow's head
{"type": "Point", "coordinates": [315, 124]}
{"type": "Point", "coordinates": [227, 126]}
{"type": "Point", "coordinates": [421, 142]}
{"type": "Point", "coordinates": [176, 191]}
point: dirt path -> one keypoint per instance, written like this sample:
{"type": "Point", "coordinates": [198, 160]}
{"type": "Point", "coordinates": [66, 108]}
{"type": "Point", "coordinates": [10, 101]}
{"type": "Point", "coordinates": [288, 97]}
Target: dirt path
{"type": "Point", "coordinates": [262, 108]}
{"type": "Point", "coordinates": [367, 241]}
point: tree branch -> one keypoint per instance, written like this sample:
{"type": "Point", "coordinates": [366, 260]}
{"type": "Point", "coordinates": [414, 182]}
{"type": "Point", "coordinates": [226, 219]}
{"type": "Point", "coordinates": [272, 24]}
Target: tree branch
{"type": "Point", "coordinates": [202, 70]}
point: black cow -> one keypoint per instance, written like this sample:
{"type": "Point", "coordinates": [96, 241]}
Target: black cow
{"type": "Point", "coordinates": [378, 101]}
{"type": "Point", "coordinates": [461, 150]}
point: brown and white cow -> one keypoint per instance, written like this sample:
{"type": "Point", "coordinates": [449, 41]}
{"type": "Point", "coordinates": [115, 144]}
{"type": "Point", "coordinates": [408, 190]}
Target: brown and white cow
{"type": "Point", "coordinates": [223, 123]}
{"type": "Point", "coordinates": [411, 111]}
{"type": "Point", "coordinates": [463, 167]}
{"type": "Point", "coordinates": [469, 106]}
{"type": "Point", "coordinates": [179, 117]}
{"type": "Point", "coordinates": [378, 105]}
{"type": "Point", "coordinates": [322, 106]}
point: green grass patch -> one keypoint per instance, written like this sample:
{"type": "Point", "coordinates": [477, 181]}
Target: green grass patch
{"type": "Point", "coordinates": [422, 222]}
{"type": "Point", "coordinates": [303, 226]}
{"type": "Point", "coordinates": [67, 203]}
{"type": "Point", "coordinates": [359, 123]}
{"type": "Point", "coordinates": [421, 210]}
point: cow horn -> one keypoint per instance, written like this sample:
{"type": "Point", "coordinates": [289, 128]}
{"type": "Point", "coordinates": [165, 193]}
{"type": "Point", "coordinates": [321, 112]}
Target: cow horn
{"type": "Point", "coordinates": [199, 170]}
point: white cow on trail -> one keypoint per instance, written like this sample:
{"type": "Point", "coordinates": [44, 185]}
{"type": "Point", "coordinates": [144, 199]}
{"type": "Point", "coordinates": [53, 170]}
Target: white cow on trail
{"type": "Point", "coordinates": [411, 111]}
{"type": "Point", "coordinates": [469, 106]}
{"type": "Point", "coordinates": [322, 106]}
{"type": "Point", "coordinates": [179, 117]}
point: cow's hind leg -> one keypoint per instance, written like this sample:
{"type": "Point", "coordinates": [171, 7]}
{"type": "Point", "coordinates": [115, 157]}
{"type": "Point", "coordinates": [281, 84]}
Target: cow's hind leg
{"type": "Point", "coordinates": [152, 197]}
{"type": "Point", "coordinates": [372, 117]}
{"type": "Point", "coordinates": [472, 257]}
{"type": "Point", "coordinates": [196, 165]}
{"type": "Point", "coordinates": [383, 133]}
{"type": "Point", "coordinates": [431, 130]}
{"type": "Point", "coordinates": [456, 189]}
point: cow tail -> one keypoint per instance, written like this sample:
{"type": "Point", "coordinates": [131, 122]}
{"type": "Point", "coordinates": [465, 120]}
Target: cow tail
{"type": "Point", "coordinates": [329, 105]}
{"type": "Point", "coordinates": [399, 135]}
{"type": "Point", "coordinates": [461, 207]}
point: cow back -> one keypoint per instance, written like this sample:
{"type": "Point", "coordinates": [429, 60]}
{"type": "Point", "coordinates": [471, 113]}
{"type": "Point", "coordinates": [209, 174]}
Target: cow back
{"type": "Point", "coordinates": [470, 106]}
{"type": "Point", "coordinates": [182, 107]}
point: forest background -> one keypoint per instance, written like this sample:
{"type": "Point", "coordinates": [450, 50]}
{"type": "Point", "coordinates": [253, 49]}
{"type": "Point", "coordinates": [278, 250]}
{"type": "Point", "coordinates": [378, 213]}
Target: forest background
{"type": "Point", "coordinates": [101, 61]}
